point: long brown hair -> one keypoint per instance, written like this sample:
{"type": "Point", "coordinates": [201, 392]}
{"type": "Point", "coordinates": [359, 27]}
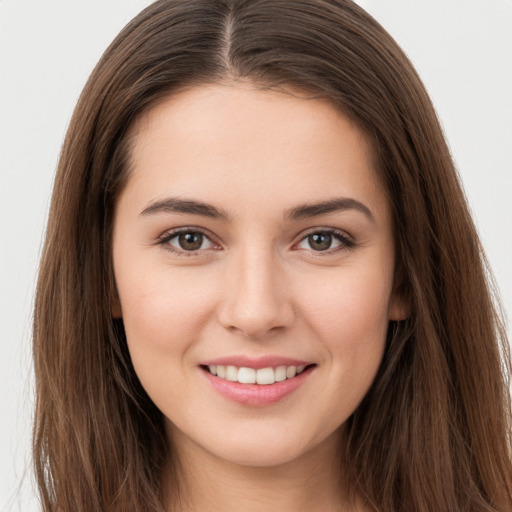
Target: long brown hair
{"type": "Point", "coordinates": [433, 433]}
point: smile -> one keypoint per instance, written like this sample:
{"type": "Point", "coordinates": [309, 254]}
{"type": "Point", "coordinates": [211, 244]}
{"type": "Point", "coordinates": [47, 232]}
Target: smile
{"type": "Point", "coordinates": [256, 382]}
{"type": "Point", "coordinates": [261, 376]}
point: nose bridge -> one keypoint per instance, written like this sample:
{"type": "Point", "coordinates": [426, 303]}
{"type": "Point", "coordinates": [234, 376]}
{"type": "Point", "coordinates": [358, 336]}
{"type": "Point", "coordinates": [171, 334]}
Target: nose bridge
{"type": "Point", "coordinates": [256, 300]}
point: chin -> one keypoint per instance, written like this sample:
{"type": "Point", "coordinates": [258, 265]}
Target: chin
{"type": "Point", "coordinates": [266, 447]}
{"type": "Point", "coordinates": [258, 456]}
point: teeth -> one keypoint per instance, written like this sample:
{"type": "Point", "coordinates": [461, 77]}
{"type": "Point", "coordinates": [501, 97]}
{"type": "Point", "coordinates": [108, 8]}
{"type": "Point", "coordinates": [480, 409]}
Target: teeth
{"type": "Point", "coordinates": [232, 373]}
{"type": "Point", "coordinates": [265, 376]}
{"type": "Point", "coordinates": [262, 376]}
{"type": "Point", "coordinates": [291, 371]}
{"type": "Point", "coordinates": [247, 375]}
{"type": "Point", "coordinates": [280, 373]}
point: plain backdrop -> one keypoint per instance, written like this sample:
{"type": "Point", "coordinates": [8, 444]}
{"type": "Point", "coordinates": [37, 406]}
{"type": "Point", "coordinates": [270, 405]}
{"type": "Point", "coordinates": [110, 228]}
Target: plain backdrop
{"type": "Point", "coordinates": [461, 48]}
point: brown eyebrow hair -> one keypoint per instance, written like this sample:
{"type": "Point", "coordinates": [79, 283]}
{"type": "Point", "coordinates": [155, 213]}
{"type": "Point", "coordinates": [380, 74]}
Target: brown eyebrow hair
{"type": "Point", "coordinates": [332, 205]}
{"type": "Point", "coordinates": [304, 211]}
{"type": "Point", "coordinates": [177, 205]}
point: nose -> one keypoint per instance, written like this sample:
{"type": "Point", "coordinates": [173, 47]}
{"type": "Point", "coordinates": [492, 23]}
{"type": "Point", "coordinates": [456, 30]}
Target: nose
{"type": "Point", "coordinates": [256, 301]}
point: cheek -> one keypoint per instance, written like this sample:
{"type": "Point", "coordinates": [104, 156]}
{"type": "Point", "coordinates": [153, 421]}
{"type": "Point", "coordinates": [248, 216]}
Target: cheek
{"type": "Point", "coordinates": [350, 315]}
{"type": "Point", "coordinates": [164, 313]}
{"type": "Point", "coordinates": [163, 310]}
{"type": "Point", "coordinates": [355, 300]}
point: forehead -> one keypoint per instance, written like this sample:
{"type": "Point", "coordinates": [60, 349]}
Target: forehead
{"type": "Point", "coordinates": [264, 146]}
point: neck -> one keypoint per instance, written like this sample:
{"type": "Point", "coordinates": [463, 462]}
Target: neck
{"type": "Point", "coordinates": [311, 482]}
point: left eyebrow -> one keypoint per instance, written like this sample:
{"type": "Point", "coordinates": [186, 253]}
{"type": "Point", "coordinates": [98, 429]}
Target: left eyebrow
{"type": "Point", "coordinates": [306, 211]}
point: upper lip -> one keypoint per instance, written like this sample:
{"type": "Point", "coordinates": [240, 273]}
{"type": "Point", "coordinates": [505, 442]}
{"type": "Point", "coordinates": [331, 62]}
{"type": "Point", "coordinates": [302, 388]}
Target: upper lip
{"type": "Point", "coordinates": [242, 361]}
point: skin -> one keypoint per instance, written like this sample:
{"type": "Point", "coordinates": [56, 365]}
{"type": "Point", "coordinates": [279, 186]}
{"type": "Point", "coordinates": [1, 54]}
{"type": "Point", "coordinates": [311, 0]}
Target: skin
{"type": "Point", "coordinates": [256, 286]}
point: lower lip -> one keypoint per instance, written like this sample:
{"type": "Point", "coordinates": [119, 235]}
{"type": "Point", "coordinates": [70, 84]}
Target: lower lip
{"type": "Point", "coordinates": [256, 394]}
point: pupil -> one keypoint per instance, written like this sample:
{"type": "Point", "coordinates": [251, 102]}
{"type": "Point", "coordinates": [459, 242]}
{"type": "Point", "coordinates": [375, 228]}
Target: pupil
{"type": "Point", "coordinates": [191, 241]}
{"type": "Point", "coordinates": [320, 241]}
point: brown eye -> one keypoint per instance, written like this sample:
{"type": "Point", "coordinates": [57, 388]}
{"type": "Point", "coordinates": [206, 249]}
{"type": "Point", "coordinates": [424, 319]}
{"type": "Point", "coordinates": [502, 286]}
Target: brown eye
{"type": "Point", "coordinates": [320, 241]}
{"type": "Point", "coordinates": [325, 241]}
{"type": "Point", "coordinates": [188, 241]}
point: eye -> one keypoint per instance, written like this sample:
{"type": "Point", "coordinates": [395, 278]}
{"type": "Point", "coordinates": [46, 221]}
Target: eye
{"type": "Point", "coordinates": [325, 241]}
{"type": "Point", "coordinates": [187, 241]}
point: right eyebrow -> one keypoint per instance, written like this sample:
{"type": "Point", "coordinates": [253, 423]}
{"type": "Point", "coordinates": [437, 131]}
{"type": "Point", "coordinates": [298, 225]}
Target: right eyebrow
{"type": "Point", "coordinates": [178, 205]}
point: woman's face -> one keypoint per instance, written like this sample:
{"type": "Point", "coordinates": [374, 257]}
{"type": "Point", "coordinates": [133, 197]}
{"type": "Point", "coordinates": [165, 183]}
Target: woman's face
{"type": "Point", "coordinates": [253, 236]}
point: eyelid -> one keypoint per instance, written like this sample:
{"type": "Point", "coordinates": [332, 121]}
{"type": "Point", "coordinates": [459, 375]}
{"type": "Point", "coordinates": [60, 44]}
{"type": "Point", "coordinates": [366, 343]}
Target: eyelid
{"type": "Point", "coordinates": [168, 235]}
{"type": "Point", "coordinates": [346, 241]}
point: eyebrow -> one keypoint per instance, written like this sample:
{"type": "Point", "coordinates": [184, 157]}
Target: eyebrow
{"type": "Point", "coordinates": [177, 205]}
{"type": "Point", "coordinates": [304, 211]}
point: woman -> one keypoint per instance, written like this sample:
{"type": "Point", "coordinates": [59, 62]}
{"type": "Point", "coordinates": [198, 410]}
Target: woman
{"type": "Point", "coordinates": [261, 286]}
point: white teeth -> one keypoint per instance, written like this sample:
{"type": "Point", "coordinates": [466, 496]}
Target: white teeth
{"type": "Point", "coordinates": [280, 373]}
{"type": "Point", "coordinates": [232, 373]}
{"type": "Point", "coordinates": [291, 371]}
{"type": "Point", "coordinates": [247, 375]}
{"type": "Point", "coordinates": [265, 376]}
{"type": "Point", "coordinates": [262, 376]}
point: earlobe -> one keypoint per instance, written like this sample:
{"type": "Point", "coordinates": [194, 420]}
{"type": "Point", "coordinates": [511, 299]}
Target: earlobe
{"type": "Point", "coordinates": [399, 309]}
{"type": "Point", "coordinates": [400, 303]}
{"type": "Point", "coordinates": [115, 306]}
{"type": "Point", "coordinates": [400, 306]}
{"type": "Point", "coordinates": [116, 310]}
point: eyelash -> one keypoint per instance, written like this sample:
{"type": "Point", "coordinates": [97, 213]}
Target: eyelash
{"type": "Point", "coordinates": [346, 243]}
{"type": "Point", "coordinates": [169, 235]}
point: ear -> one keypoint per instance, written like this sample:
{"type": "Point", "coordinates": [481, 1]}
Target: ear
{"type": "Point", "coordinates": [399, 304]}
{"type": "Point", "coordinates": [115, 305]}
{"type": "Point", "coordinates": [399, 309]}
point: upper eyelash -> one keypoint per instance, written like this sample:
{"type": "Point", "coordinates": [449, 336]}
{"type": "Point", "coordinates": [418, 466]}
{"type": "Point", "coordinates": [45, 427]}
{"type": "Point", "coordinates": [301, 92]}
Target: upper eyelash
{"type": "Point", "coordinates": [168, 235]}
{"type": "Point", "coordinates": [347, 241]}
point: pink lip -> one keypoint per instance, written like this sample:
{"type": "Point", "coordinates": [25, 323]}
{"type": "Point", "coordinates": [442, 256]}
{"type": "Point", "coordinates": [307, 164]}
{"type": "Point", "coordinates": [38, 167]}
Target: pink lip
{"type": "Point", "coordinates": [255, 362]}
{"type": "Point", "coordinates": [254, 394]}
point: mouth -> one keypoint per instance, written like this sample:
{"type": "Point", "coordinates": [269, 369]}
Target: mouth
{"type": "Point", "coordinates": [258, 376]}
{"type": "Point", "coordinates": [256, 381]}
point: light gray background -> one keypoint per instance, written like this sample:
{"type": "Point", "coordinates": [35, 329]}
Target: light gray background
{"type": "Point", "coordinates": [462, 49]}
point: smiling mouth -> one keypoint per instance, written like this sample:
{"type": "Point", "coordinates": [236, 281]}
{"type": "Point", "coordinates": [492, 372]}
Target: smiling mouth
{"type": "Point", "coordinates": [261, 376]}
